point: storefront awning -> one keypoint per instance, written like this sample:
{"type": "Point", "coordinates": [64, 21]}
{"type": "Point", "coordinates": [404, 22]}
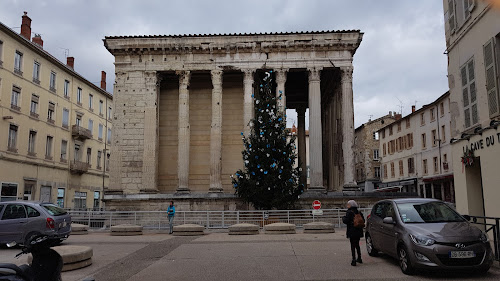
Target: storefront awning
{"type": "Point", "coordinates": [438, 177]}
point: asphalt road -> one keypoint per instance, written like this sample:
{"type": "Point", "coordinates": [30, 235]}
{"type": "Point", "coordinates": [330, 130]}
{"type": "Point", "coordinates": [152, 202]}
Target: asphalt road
{"type": "Point", "coordinates": [219, 256]}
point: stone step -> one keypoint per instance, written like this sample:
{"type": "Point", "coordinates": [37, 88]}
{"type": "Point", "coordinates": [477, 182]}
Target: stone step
{"type": "Point", "coordinates": [74, 257]}
{"type": "Point", "coordinates": [79, 229]}
{"type": "Point", "coordinates": [126, 230]}
{"type": "Point", "coordinates": [188, 230]}
{"type": "Point", "coordinates": [319, 227]}
{"type": "Point", "coordinates": [280, 228]}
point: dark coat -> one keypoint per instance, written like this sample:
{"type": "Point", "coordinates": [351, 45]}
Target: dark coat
{"type": "Point", "coordinates": [348, 219]}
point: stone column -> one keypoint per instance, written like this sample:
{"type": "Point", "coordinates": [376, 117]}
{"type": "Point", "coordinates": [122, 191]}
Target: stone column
{"type": "Point", "coordinates": [442, 192]}
{"type": "Point", "coordinates": [184, 132]}
{"type": "Point", "coordinates": [216, 133]}
{"type": "Point", "coordinates": [280, 89]}
{"type": "Point", "coordinates": [315, 138]}
{"type": "Point", "coordinates": [248, 101]}
{"type": "Point", "coordinates": [301, 139]}
{"type": "Point", "coordinates": [151, 136]}
{"type": "Point", "coordinates": [348, 127]}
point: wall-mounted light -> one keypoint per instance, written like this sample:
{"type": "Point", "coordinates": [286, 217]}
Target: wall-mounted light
{"type": "Point", "coordinates": [453, 140]}
{"type": "Point", "coordinates": [465, 136]}
{"type": "Point", "coordinates": [7, 117]}
{"type": "Point", "coordinates": [494, 124]}
{"type": "Point", "coordinates": [478, 130]}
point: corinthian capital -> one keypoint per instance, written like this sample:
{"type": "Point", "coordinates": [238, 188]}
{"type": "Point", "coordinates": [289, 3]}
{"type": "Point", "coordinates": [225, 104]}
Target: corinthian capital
{"type": "Point", "coordinates": [281, 75]}
{"type": "Point", "coordinates": [314, 74]}
{"type": "Point", "coordinates": [346, 74]}
{"type": "Point", "coordinates": [184, 78]}
{"type": "Point", "coordinates": [216, 77]}
{"type": "Point", "coordinates": [248, 75]}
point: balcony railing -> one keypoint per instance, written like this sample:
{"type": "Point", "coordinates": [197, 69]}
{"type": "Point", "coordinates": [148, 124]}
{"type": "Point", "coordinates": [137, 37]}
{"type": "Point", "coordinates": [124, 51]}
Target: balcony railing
{"type": "Point", "coordinates": [80, 132]}
{"type": "Point", "coordinates": [15, 107]}
{"type": "Point", "coordinates": [36, 81]}
{"type": "Point", "coordinates": [51, 121]}
{"type": "Point", "coordinates": [34, 114]}
{"type": "Point", "coordinates": [18, 71]}
{"type": "Point", "coordinates": [78, 167]}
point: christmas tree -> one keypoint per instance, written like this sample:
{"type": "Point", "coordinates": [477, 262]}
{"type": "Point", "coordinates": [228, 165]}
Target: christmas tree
{"type": "Point", "coordinates": [269, 179]}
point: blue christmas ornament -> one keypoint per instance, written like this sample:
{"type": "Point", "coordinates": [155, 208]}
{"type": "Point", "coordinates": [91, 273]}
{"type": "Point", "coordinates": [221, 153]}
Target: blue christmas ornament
{"type": "Point", "coordinates": [289, 160]}
{"type": "Point", "coordinates": [281, 171]}
{"type": "Point", "coordinates": [279, 119]}
{"type": "Point", "coordinates": [256, 157]}
{"type": "Point", "coordinates": [284, 153]}
{"type": "Point", "coordinates": [253, 173]}
{"type": "Point", "coordinates": [265, 172]}
{"type": "Point", "coordinates": [281, 92]}
{"type": "Point", "coordinates": [235, 185]}
{"type": "Point", "coordinates": [249, 145]}
{"type": "Point", "coordinates": [258, 166]}
{"type": "Point", "coordinates": [252, 95]}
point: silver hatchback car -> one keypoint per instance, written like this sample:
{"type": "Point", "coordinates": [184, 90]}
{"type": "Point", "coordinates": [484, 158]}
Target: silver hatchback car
{"type": "Point", "coordinates": [21, 220]}
{"type": "Point", "coordinates": [426, 233]}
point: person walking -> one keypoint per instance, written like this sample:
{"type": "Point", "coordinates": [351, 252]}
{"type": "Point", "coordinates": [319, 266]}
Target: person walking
{"type": "Point", "coordinates": [355, 222]}
{"type": "Point", "coordinates": [171, 214]}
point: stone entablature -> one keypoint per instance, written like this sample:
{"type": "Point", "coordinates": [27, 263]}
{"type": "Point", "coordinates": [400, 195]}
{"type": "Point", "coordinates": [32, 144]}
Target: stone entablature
{"type": "Point", "coordinates": [181, 71]}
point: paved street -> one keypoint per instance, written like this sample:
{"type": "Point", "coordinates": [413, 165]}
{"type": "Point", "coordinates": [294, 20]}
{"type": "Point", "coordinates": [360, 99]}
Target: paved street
{"type": "Point", "coordinates": [219, 256]}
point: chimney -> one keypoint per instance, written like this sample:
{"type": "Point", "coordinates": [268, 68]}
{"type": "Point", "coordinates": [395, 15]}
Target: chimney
{"type": "Point", "coordinates": [26, 26]}
{"type": "Point", "coordinates": [103, 80]}
{"type": "Point", "coordinates": [412, 108]}
{"type": "Point", "coordinates": [397, 116]}
{"type": "Point", "coordinates": [37, 39]}
{"type": "Point", "coordinates": [70, 61]}
{"type": "Point", "coordinates": [390, 113]}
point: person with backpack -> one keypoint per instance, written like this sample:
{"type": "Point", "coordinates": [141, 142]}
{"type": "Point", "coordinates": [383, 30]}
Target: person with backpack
{"type": "Point", "coordinates": [355, 222]}
{"type": "Point", "coordinates": [171, 214]}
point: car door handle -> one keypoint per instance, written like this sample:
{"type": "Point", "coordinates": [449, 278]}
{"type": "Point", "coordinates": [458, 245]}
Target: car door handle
{"type": "Point", "coordinates": [22, 222]}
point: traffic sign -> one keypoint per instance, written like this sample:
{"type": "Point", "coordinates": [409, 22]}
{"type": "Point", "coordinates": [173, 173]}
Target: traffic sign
{"type": "Point", "coordinates": [317, 212]}
{"type": "Point", "coordinates": [316, 205]}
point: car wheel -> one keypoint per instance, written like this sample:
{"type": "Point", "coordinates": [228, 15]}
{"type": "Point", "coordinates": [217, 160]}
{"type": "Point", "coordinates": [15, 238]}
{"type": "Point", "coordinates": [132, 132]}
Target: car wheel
{"type": "Point", "coordinates": [369, 246]}
{"type": "Point", "coordinates": [30, 237]}
{"type": "Point", "coordinates": [405, 261]}
{"type": "Point", "coordinates": [483, 270]}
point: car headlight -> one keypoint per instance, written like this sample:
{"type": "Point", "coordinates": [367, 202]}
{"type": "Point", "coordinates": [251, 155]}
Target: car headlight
{"type": "Point", "coordinates": [484, 237]}
{"type": "Point", "coordinates": [422, 240]}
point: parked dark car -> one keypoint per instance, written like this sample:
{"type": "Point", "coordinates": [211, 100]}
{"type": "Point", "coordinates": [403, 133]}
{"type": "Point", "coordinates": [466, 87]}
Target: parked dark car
{"type": "Point", "coordinates": [21, 220]}
{"type": "Point", "coordinates": [426, 233]}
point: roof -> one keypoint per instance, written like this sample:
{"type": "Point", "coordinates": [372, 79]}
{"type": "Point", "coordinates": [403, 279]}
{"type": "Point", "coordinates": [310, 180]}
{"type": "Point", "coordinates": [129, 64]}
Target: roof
{"type": "Point", "coordinates": [36, 48]}
{"type": "Point", "coordinates": [233, 34]}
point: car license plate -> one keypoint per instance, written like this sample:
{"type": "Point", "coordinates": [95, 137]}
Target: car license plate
{"type": "Point", "coordinates": [462, 254]}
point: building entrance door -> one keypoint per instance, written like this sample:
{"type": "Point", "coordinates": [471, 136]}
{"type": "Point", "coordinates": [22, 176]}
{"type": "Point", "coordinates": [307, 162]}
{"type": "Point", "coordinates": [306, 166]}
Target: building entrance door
{"type": "Point", "coordinates": [45, 193]}
{"type": "Point", "coordinates": [474, 185]}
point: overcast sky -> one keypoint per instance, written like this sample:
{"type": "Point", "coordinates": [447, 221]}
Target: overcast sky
{"type": "Point", "coordinates": [400, 62]}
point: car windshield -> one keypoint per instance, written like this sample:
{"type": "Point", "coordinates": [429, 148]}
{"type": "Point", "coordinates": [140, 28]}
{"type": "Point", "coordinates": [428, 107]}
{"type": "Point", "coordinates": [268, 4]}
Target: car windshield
{"type": "Point", "coordinates": [54, 210]}
{"type": "Point", "coordinates": [429, 212]}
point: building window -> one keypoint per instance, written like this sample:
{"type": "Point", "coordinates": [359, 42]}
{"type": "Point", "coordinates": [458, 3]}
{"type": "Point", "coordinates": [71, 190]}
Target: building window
{"type": "Point", "coordinates": [401, 168]}
{"type": "Point", "coordinates": [28, 190]}
{"type": "Point", "coordinates": [451, 16]}
{"type": "Point", "coordinates": [91, 126]}
{"type": "Point", "coordinates": [31, 143]}
{"type": "Point", "coordinates": [436, 165]}
{"type": "Point", "coordinates": [9, 192]}
{"type": "Point", "coordinates": [408, 123]}
{"type": "Point", "coordinates": [443, 134]}
{"type": "Point", "coordinates": [467, 7]}
{"type": "Point", "coordinates": [393, 173]}
{"type": "Point", "coordinates": [89, 155]}
{"type": "Point", "coordinates": [441, 107]}
{"type": "Point", "coordinates": [445, 162]}
{"type": "Point", "coordinates": [34, 106]}
{"type": "Point", "coordinates": [375, 154]}
{"type": "Point", "coordinates": [66, 89]}
{"type": "Point", "coordinates": [100, 132]}
{"type": "Point", "coordinates": [492, 67]}
{"type": "Point", "coordinates": [50, 112]}
{"type": "Point", "coordinates": [424, 166]}
{"type": "Point", "coordinates": [383, 133]}
{"type": "Point", "coordinates": [422, 119]}
{"type": "Point", "coordinates": [109, 113]}
{"type": "Point", "coordinates": [12, 142]}
{"type": "Point", "coordinates": [109, 135]}
{"type": "Point", "coordinates": [78, 120]}
{"type": "Point", "coordinates": [60, 197]}
{"type": "Point", "coordinates": [434, 138]}
{"type": "Point", "coordinates": [410, 140]}
{"type": "Point", "coordinates": [108, 156]}
{"type": "Point", "coordinates": [433, 114]}
{"type": "Point", "coordinates": [411, 166]}
{"type": "Point", "coordinates": [77, 152]}
{"type": "Point", "coordinates": [48, 148]}
{"type": "Point", "coordinates": [375, 136]}
{"type": "Point", "coordinates": [79, 96]}
{"type": "Point", "coordinates": [1, 52]}
{"type": "Point", "coordinates": [18, 63]}
{"type": "Point", "coordinates": [52, 81]}
{"type": "Point", "coordinates": [36, 72]}
{"type": "Point", "coordinates": [101, 105]}
{"type": "Point", "coordinates": [384, 150]}
{"type": "Point", "coordinates": [15, 102]}
{"type": "Point", "coordinates": [91, 102]}
{"type": "Point", "coordinates": [64, 148]}
{"type": "Point", "coordinates": [97, 198]}
{"type": "Point", "coordinates": [424, 142]}
{"type": "Point", "coordinates": [377, 172]}
{"type": "Point", "coordinates": [390, 130]}
{"type": "Point", "coordinates": [99, 156]}
{"type": "Point", "coordinates": [65, 118]}
{"type": "Point", "coordinates": [399, 126]}
{"type": "Point", "coordinates": [80, 200]}
{"type": "Point", "coordinates": [469, 94]}
{"type": "Point", "coordinates": [385, 171]}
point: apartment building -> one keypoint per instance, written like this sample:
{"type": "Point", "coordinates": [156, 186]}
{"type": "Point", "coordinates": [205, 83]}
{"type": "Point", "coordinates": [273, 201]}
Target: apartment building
{"type": "Point", "coordinates": [55, 126]}
{"type": "Point", "coordinates": [367, 152]}
{"type": "Point", "coordinates": [472, 30]}
{"type": "Point", "coordinates": [416, 152]}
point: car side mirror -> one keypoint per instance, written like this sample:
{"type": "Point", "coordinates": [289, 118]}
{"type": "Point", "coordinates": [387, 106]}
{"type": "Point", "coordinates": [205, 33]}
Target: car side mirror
{"type": "Point", "coordinates": [466, 217]}
{"type": "Point", "coordinates": [389, 220]}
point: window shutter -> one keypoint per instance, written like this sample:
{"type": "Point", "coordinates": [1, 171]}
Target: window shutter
{"type": "Point", "coordinates": [52, 106]}
{"type": "Point", "coordinates": [451, 18]}
{"type": "Point", "coordinates": [491, 77]}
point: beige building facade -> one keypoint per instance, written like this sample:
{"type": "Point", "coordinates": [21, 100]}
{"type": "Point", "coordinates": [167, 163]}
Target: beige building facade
{"type": "Point", "coordinates": [367, 152]}
{"type": "Point", "coordinates": [416, 152]}
{"type": "Point", "coordinates": [182, 103]}
{"type": "Point", "coordinates": [54, 140]}
{"type": "Point", "coordinates": [472, 31]}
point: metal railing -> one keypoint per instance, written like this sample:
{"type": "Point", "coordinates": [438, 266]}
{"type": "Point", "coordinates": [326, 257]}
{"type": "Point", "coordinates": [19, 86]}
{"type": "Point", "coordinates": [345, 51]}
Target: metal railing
{"type": "Point", "coordinates": [491, 225]}
{"type": "Point", "coordinates": [157, 220]}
